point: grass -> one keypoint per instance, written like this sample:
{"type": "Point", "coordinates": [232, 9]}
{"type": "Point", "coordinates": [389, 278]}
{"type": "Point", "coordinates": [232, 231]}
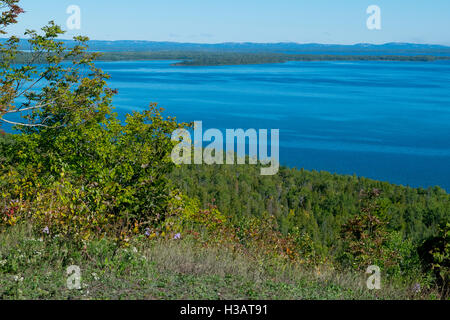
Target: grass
{"type": "Point", "coordinates": [35, 268]}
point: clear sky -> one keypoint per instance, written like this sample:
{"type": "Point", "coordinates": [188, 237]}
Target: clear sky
{"type": "Point", "coordinates": [213, 21]}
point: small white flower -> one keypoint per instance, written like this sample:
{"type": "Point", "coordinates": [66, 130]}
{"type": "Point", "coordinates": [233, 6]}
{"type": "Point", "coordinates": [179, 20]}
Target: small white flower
{"type": "Point", "coordinates": [18, 278]}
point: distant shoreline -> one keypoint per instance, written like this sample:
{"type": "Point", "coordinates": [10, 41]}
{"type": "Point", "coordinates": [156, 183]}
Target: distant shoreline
{"type": "Point", "coordinates": [218, 58]}
{"type": "Point", "coordinates": [239, 58]}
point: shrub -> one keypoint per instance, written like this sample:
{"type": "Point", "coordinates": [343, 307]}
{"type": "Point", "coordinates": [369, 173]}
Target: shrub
{"type": "Point", "coordinates": [435, 256]}
{"type": "Point", "coordinates": [75, 168]}
{"type": "Point", "coordinates": [365, 236]}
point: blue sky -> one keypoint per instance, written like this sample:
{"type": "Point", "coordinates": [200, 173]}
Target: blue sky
{"type": "Point", "coordinates": [213, 21]}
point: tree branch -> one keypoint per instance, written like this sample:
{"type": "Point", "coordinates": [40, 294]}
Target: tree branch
{"type": "Point", "coordinates": [29, 108]}
{"type": "Point", "coordinates": [23, 124]}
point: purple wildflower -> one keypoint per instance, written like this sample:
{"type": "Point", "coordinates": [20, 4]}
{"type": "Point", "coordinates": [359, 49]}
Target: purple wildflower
{"type": "Point", "coordinates": [46, 230]}
{"type": "Point", "coordinates": [147, 232]}
{"type": "Point", "coordinates": [416, 288]}
{"type": "Point", "coordinates": [177, 236]}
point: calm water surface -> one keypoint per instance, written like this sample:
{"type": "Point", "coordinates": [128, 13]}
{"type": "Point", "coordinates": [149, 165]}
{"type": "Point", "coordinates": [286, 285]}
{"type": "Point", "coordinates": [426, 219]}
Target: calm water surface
{"type": "Point", "coordinates": [384, 120]}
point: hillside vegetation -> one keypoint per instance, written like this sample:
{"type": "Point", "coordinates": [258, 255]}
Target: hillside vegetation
{"type": "Point", "coordinates": [233, 234]}
{"type": "Point", "coordinates": [318, 202]}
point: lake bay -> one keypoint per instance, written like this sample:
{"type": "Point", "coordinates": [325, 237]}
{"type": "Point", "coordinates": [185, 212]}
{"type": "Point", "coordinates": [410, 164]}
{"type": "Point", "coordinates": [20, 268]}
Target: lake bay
{"type": "Point", "coordinates": [388, 121]}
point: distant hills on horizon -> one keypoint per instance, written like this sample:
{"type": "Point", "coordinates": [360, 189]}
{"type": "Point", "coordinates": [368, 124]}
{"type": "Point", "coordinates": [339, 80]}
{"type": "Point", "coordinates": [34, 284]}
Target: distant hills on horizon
{"type": "Point", "coordinates": [280, 47]}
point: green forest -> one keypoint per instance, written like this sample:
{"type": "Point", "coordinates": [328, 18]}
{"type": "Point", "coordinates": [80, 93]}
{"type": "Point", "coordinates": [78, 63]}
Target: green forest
{"type": "Point", "coordinates": [80, 187]}
{"type": "Point", "coordinates": [316, 202]}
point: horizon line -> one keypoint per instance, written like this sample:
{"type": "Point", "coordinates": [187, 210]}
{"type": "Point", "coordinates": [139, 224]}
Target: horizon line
{"type": "Point", "coordinates": [259, 43]}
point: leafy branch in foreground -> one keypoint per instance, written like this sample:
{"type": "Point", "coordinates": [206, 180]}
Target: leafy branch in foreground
{"type": "Point", "coordinates": [48, 94]}
{"type": "Point", "coordinates": [10, 12]}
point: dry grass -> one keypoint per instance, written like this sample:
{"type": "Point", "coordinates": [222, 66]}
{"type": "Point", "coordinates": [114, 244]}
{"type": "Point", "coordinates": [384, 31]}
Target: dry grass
{"type": "Point", "coordinates": [184, 257]}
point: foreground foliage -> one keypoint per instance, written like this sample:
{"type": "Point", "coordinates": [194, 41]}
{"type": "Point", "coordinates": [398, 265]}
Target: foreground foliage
{"type": "Point", "coordinates": [34, 267]}
{"type": "Point", "coordinates": [75, 170]}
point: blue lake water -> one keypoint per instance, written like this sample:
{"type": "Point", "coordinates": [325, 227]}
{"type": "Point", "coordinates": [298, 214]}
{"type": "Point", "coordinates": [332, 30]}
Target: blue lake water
{"type": "Point", "coordinates": [384, 120]}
